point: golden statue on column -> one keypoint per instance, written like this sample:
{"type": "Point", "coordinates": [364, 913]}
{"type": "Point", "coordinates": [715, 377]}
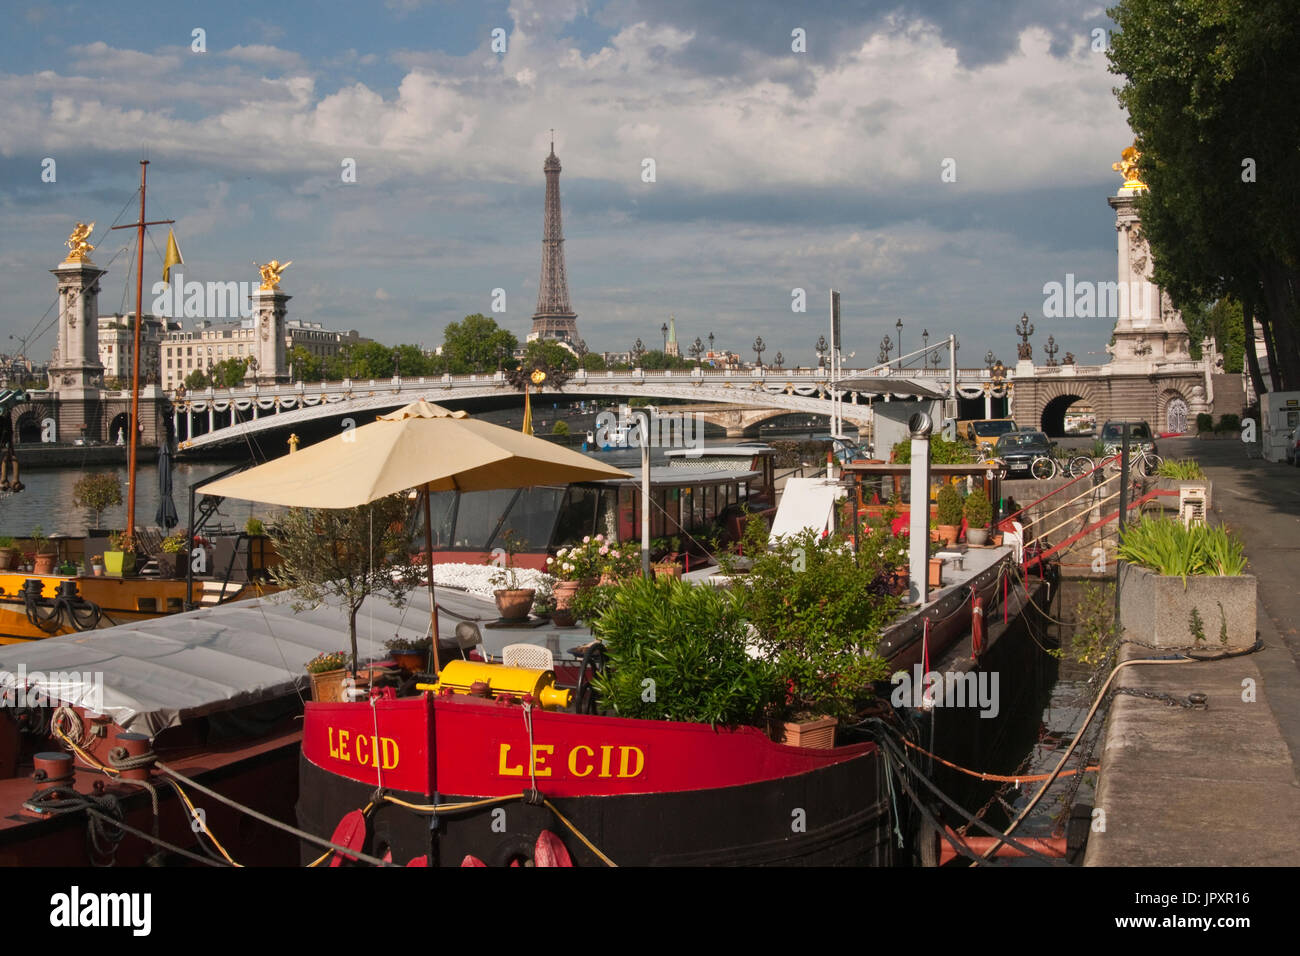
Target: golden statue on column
{"type": "Point", "coordinates": [80, 248]}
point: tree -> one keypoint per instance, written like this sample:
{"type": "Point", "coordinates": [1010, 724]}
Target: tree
{"type": "Point", "coordinates": [306, 367]}
{"type": "Point", "coordinates": [545, 353]}
{"type": "Point", "coordinates": [475, 344]}
{"type": "Point", "coordinates": [98, 492]}
{"type": "Point", "coordinates": [1211, 89]}
{"type": "Point", "coordinates": [1223, 320]}
{"type": "Point", "coordinates": [345, 553]}
{"type": "Point", "coordinates": [228, 373]}
{"type": "Point", "coordinates": [197, 379]}
{"type": "Point", "coordinates": [561, 428]}
{"type": "Point", "coordinates": [593, 362]}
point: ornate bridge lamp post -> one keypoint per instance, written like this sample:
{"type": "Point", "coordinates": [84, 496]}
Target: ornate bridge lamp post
{"type": "Point", "coordinates": [780, 360]}
{"type": "Point", "coordinates": [1024, 329]}
{"type": "Point", "coordinates": [886, 346]}
{"type": "Point", "coordinates": [1051, 349]}
{"type": "Point", "coordinates": [759, 347]}
{"type": "Point", "coordinates": [935, 359]}
{"type": "Point", "coordinates": [821, 348]}
{"type": "Point", "coordinates": [638, 350]}
{"type": "Point", "coordinates": [664, 330]}
{"type": "Point", "coordinates": [697, 347]}
{"type": "Point", "coordinates": [397, 364]}
{"type": "Point", "coordinates": [899, 326]}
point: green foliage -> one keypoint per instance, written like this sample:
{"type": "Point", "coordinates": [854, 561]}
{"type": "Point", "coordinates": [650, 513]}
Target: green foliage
{"type": "Point", "coordinates": [1205, 422]}
{"type": "Point", "coordinates": [327, 661]}
{"type": "Point", "coordinates": [7, 542]}
{"type": "Point", "coordinates": [197, 379]}
{"type": "Point", "coordinates": [1094, 639]}
{"type": "Point", "coordinates": [948, 505]}
{"type": "Point", "coordinates": [1182, 469]}
{"type": "Point", "coordinates": [978, 510]}
{"type": "Point", "coordinates": [254, 526]}
{"type": "Point", "coordinates": [174, 543]}
{"type": "Point", "coordinates": [593, 362]}
{"type": "Point", "coordinates": [942, 452]}
{"type": "Point", "coordinates": [1168, 548]}
{"type": "Point", "coordinates": [228, 373]}
{"type": "Point", "coordinates": [344, 553]}
{"type": "Point", "coordinates": [678, 652]}
{"type": "Point", "coordinates": [818, 611]}
{"type": "Point", "coordinates": [306, 367]}
{"type": "Point", "coordinates": [1228, 424]}
{"type": "Point", "coordinates": [1196, 626]}
{"type": "Point", "coordinates": [40, 541]}
{"type": "Point", "coordinates": [475, 344]}
{"type": "Point", "coordinates": [547, 353]}
{"type": "Point", "coordinates": [561, 428]}
{"type": "Point", "coordinates": [98, 492]}
{"type": "Point", "coordinates": [658, 359]}
{"type": "Point", "coordinates": [1210, 90]}
{"type": "Point", "coordinates": [1224, 321]}
{"type": "Point", "coordinates": [408, 645]}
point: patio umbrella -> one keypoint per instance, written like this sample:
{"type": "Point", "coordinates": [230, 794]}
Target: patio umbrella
{"type": "Point", "coordinates": [421, 446]}
{"type": "Point", "coordinates": [166, 516]}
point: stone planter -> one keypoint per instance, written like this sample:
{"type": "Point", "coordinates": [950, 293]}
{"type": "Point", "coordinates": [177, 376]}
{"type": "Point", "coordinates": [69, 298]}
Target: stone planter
{"type": "Point", "coordinates": [1157, 609]}
{"type": "Point", "coordinates": [978, 537]}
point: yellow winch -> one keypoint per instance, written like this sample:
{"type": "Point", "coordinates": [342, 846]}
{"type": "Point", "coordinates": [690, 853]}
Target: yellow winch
{"type": "Point", "coordinates": [496, 680]}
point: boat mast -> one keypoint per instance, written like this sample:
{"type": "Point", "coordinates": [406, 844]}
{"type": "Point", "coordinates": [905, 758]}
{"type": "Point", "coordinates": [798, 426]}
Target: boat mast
{"type": "Point", "coordinates": [135, 358]}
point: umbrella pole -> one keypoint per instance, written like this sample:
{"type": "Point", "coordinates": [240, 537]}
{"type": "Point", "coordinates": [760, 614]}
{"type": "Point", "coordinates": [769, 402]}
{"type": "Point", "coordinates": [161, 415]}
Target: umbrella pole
{"type": "Point", "coordinates": [428, 569]}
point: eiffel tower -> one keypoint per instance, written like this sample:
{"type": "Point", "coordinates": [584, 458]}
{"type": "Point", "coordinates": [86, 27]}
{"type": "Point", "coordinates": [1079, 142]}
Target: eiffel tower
{"type": "Point", "coordinates": [554, 319]}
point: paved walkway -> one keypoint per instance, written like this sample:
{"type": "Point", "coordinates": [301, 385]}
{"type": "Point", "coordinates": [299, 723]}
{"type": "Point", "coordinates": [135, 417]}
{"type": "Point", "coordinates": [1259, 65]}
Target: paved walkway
{"type": "Point", "coordinates": [1218, 786]}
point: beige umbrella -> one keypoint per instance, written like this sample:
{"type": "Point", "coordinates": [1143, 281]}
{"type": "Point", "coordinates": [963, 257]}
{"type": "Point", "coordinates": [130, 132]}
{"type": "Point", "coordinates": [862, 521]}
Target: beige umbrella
{"type": "Point", "coordinates": [421, 446]}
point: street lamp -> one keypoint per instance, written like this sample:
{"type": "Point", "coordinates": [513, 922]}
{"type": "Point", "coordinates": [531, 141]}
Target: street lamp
{"type": "Point", "coordinates": [397, 364]}
{"type": "Point", "coordinates": [821, 348]}
{"type": "Point", "coordinates": [696, 348]}
{"type": "Point", "coordinates": [638, 350]}
{"type": "Point", "coordinates": [886, 346]}
{"type": "Point", "coordinates": [759, 347]}
{"type": "Point", "coordinates": [899, 325]}
{"type": "Point", "coordinates": [710, 341]}
{"type": "Point", "coordinates": [780, 360]}
{"type": "Point", "coordinates": [664, 330]}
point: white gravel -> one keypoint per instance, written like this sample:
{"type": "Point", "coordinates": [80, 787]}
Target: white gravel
{"type": "Point", "coordinates": [477, 578]}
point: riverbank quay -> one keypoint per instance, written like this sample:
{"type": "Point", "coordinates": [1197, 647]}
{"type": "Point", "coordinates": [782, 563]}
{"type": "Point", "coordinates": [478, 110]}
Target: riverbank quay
{"type": "Point", "coordinates": [1183, 785]}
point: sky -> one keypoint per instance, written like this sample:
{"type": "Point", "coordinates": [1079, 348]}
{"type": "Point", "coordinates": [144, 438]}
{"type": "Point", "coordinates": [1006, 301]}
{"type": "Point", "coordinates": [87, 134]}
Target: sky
{"type": "Point", "coordinates": [937, 161]}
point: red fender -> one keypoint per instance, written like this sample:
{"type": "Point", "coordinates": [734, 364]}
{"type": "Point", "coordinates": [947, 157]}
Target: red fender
{"type": "Point", "coordinates": [977, 627]}
{"type": "Point", "coordinates": [550, 851]}
{"type": "Point", "coordinates": [351, 833]}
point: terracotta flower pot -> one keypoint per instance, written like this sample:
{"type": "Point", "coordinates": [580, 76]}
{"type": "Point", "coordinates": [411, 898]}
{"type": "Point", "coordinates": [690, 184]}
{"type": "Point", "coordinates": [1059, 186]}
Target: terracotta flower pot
{"type": "Point", "coordinates": [44, 563]}
{"type": "Point", "coordinates": [948, 534]}
{"type": "Point", "coordinates": [814, 732]}
{"type": "Point", "coordinates": [514, 603]}
{"type": "Point", "coordinates": [7, 558]}
{"type": "Point", "coordinates": [667, 569]}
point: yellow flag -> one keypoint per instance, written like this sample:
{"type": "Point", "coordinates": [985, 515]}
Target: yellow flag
{"type": "Point", "coordinates": [173, 257]}
{"type": "Point", "coordinates": [528, 415]}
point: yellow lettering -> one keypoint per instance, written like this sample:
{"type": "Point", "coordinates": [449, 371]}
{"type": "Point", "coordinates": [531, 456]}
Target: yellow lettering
{"type": "Point", "coordinates": [391, 753]}
{"type": "Point", "coordinates": [334, 751]}
{"type": "Point", "coordinates": [623, 755]}
{"type": "Point", "coordinates": [363, 743]}
{"type": "Point", "coordinates": [605, 750]}
{"type": "Point", "coordinates": [505, 771]}
{"type": "Point", "coordinates": [573, 763]}
{"type": "Point", "coordinates": [539, 759]}
{"type": "Point", "coordinates": [343, 744]}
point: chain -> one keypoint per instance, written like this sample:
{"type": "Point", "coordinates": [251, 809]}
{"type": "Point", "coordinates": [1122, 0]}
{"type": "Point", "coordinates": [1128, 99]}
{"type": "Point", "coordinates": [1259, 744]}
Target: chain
{"type": "Point", "coordinates": [1190, 702]}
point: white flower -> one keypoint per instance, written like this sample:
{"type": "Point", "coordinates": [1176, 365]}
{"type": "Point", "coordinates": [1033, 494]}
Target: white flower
{"type": "Point", "coordinates": [587, 540]}
{"type": "Point", "coordinates": [605, 550]}
{"type": "Point", "coordinates": [600, 537]}
{"type": "Point", "coordinates": [568, 567]}
{"type": "Point", "coordinates": [550, 560]}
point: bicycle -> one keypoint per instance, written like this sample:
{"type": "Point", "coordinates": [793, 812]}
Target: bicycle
{"type": "Point", "coordinates": [1144, 463]}
{"type": "Point", "coordinates": [1080, 465]}
{"type": "Point", "coordinates": [1043, 468]}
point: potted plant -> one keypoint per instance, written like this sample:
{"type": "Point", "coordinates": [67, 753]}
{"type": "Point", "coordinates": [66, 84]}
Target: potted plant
{"type": "Point", "coordinates": [96, 566]}
{"type": "Point", "coordinates": [342, 553]}
{"type": "Point", "coordinates": [544, 602]}
{"type": "Point", "coordinates": [172, 554]}
{"type": "Point", "coordinates": [574, 568]}
{"type": "Point", "coordinates": [948, 506]}
{"type": "Point", "coordinates": [98, 492]}
{"type": "Point", "coordinates": [978, 513]}
{"type": "Point", "coordinates": [328, 671]}
{"type": "Point", "coordinates": [619, 561]}
{"type": "Point", "coordinates": [119, 559]}
{"type": "Point", "coordinates": [8, 553]}
{"type": "Point", "coordinates": [513, 602]}
{"type": "Point", "coordinates": [410, 654]}
{"type": "Point", "coordinates": [43, 556]}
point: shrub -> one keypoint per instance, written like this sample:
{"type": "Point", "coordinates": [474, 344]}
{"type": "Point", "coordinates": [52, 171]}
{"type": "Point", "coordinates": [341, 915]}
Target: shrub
{"type": "Point", "coordinates": [679, 652]}
{"type": "Point", "coordinates": [560, 428]}
{"type": "Point", "coordinates": [949, 505]}
{"type": "Point", "coordinates": [1228, 424]}
{"type": "Point", "coordinates": [1167, 547]}
{"type": "Point", "coordinates": [978, 511]}
{"type": "Point", "coordinates": [1182, 469]}
{"type": "Point", "coordinates": [1205, 422]}
{"type": "Point", "coordinates": [942, 452]}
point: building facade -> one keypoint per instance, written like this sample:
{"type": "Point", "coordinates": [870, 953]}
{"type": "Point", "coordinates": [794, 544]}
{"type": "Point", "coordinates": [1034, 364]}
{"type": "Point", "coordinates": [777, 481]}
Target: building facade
{"type": "Point", "coordinates": [117, 346]}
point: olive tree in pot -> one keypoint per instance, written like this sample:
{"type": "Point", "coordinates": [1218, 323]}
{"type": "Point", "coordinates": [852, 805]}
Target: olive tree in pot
{"type": "Point", "coordinates": [949, 508]}
{"type": "Point", "coordinates": [347, 554]}
{"type": "Point", "coordinates": [978, 513]}
{"type": "Point", "coordinates": [98, 492]}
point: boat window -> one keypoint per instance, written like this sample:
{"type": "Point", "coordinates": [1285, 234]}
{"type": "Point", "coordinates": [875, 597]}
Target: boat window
{"type": "Point", "coordinates": [442, 506]}
{"type": "Point", "coordinates": [533, 517]}
{"type": "Point", "coordinates": [577, 516]}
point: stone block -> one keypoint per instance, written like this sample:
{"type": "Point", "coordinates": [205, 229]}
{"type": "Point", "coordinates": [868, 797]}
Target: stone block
{"type": "Point", "coordinates": [1157, 608]}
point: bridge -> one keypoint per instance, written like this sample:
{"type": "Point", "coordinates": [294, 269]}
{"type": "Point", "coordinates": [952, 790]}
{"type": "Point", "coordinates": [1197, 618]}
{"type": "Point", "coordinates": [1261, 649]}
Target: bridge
{"type": "Point", "coordinates": [1167, 395]}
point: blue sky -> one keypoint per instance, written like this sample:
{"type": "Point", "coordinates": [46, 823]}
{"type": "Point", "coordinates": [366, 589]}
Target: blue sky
{"type": "Point", "coordinates": [775, 169]}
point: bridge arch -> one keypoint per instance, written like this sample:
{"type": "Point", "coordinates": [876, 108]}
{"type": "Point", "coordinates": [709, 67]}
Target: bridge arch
{"type": "Point", "coordinates": [28, 425]}
{"type": "Point", "coordinates": [1055, 400]}
{"type": "Point", "coordinates": [121, 422]}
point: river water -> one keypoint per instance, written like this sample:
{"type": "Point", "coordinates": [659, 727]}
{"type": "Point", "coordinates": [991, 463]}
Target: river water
{"type": "Point", "coordinates": [47, 501]}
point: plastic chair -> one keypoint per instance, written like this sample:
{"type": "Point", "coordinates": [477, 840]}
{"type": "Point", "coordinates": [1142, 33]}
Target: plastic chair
{"type": "Point", "coordinates": [532, 656]}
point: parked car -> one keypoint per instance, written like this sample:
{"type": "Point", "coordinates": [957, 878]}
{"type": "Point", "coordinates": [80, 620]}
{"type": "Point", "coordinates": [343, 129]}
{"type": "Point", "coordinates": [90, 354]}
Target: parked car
{"type": "Point", "coordinates": [1019, 449]}
{"type": "Point", "coordinates": [1139, 436]}
{"type": "Point", "coordinates": [984, 433]}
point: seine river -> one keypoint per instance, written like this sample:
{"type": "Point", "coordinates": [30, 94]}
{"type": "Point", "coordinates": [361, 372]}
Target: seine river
{"type": "Point", "coordinates": [46, 501]}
